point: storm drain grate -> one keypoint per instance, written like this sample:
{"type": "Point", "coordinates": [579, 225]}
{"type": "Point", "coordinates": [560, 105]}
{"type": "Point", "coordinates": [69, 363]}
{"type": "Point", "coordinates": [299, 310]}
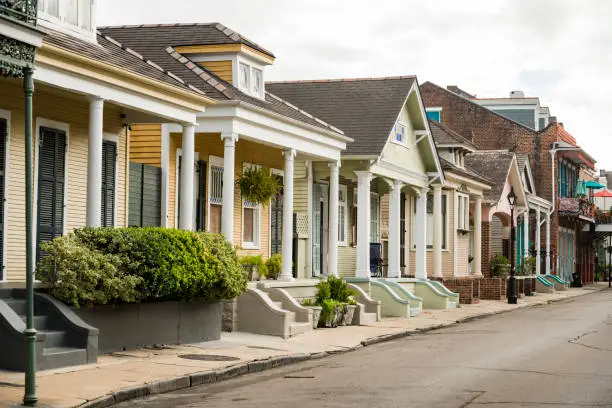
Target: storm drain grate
{"type": "Point", "coordinates": [208, 357]}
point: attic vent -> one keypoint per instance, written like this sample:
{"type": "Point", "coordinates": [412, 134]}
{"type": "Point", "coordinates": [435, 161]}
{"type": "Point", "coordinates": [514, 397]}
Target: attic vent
{"type": "Point", "coordinates": [517, 94]}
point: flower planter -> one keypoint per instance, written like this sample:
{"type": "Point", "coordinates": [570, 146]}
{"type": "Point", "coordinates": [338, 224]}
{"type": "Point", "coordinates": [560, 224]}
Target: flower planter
{"type": "Point", "coordinates": [316, 315]}
{"type": "Point", "coordinates": [349, 314]}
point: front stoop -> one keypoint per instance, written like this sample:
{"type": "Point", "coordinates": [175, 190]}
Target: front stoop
{"type": "Point", "coordinates": [63, 339]}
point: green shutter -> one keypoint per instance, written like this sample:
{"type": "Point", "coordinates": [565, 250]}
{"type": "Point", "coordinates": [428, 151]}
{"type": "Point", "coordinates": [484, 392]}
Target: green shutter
{"type": "Point", "coordinates": [51, 163]}
{"type": "Point", "coordinates": [144, 207]}
{"type": "Point", "coordinates": [109, 154]}
{"type": "Point", "coordinates": [201, 202]}
{"type": "Point", "coordinates": [135, 196]}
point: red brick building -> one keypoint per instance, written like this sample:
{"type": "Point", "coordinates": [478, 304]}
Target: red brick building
{"type": "Point", "coordinates": [551, 146]}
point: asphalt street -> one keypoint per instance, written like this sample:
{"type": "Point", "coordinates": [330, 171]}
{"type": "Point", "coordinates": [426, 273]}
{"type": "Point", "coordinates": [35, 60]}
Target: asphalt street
{"type": "Point", "coordinates": [558, 355]}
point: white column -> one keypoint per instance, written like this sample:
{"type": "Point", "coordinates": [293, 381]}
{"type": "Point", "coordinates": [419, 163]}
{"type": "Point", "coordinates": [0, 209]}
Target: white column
{"type": "Point", "coordinates": [538, 241]}
{"type": "Point", "coordinates": [526, 234]}
{"type": "Point", "coordinates": [308, 262]}
{"type": "Point", "coordinates": [437, 231]}
{"type": "Point", "coordinates": [477, 236]}
{"type": "Point", "coordinates": [332, 249]}
{"type": "Point", "coordinates": [187, 175]}
{"type": "Point", "coordinates": [287, 250]}
{"type": "Point", "coordinates": [94, 162]}
{"type": "Point", "coordinates": [394, 230]}
{"type": "Point", "coordinates": [421, 236]}
{"type": "Point", "coordinates": [547, 243]}
{"type": "Point", "coordinates": [165, 164]}
{"type": "Point", "coordinates": [227, 210]}
{"type": "Point", "coordinates": [363, 224]}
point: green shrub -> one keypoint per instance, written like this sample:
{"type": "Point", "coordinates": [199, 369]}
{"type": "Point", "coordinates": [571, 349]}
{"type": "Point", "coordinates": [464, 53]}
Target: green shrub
{"type": "Point", "coordinates": [168, 264]}
{"type": "Point", "coordinates": [328, 309]}
{"type": "Point", "coordinates": [80, 276]}
{"type": "Point", "coordinates": [254, 261]}
{"type": "Point", "coordinates": [308, 302]}
{"type": "Point", "coordinates": [274, 265]}
{"type": "Point", "coordinates": [339, 290]}
{"type": "Point", "coordinates": [323, 292]}
{"type": "Point", "coordinates": [499, 266]}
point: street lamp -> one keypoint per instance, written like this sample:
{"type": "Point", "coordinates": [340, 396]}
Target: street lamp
{"type": "Point", "coordinates": [512, 298]}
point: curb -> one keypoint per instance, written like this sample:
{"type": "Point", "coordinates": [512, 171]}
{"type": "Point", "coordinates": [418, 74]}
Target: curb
{"type": "Point", "coordinates": [209, 377]}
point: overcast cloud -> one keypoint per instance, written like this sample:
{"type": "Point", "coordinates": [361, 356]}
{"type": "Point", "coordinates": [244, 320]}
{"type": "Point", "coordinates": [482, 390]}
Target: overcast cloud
{"type": "Point", "coordinates": [559, 50]}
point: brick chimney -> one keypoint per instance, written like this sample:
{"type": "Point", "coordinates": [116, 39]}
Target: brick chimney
{"type": "Point", "coordinates": [552, 119]}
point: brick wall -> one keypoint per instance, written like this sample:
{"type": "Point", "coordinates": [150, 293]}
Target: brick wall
{"type": "Point", "coordinates": [485, 248]}
{"type": "Point", "coordinates": [464, 287]}
{"type": "Point", "coordinates": [493, 288]}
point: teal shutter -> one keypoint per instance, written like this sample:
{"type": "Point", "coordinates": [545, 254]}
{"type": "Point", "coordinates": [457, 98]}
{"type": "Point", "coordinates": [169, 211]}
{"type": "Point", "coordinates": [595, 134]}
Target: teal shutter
{"type": "Point", "coordinates": [109, 154]}
{"type": "Point", "coordinates": [51, 163]}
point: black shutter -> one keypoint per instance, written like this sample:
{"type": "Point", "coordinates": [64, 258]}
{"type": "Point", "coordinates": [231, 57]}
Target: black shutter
{"type": "Point", "coordinates": [51, 163]}
{"type": "Point", "coordinates": [3, 133]}
{"type": "Point", "coordinates": [402, 230]}
{"type": "Point", "coordinates": [201, 204]}
{"type": "Point", "coordinates": [109, 154]}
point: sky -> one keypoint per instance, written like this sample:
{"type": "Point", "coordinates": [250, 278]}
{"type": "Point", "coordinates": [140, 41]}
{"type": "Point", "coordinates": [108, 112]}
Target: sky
{"type": "Point", "coordinates": [558, 50]}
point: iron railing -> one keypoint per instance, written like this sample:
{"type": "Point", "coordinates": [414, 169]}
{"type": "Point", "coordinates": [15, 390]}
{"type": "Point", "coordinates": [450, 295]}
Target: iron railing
{"type": "Point", "coordinates": [23, 11]}
{"type": "Point", "coordinates": [576, 206]}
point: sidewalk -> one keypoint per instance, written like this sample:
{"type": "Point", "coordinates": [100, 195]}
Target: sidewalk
{"type": "Point", "coordinates": [129, 374]}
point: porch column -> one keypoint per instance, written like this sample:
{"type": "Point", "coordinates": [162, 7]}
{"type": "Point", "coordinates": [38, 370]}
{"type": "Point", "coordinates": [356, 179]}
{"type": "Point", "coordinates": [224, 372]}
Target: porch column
{"type": "Point", "coordinates": [332, 250]}
{"type": "Point", "coordinates": [537, 242]}
{"type": "Point", "coordinates": [526, 234]}
{"type": "Point", "coordinates": [437, 231]}
{"type": "Point", "coordinates": [165, 176]}
{"type": "Point", "coordinates": [94, 162]}
{"type": "Point", "coordinates": [363, 224]}
{"type": "Point", "coordinates": [394, 230]}
{"type": "Point", "coordinates": [227, 210]}
{"type": "Point", "coordinates": [477, 236]}
{"type": "Point", "coordinates": [287, 250]}
{"type": "Point", "coordinates": [187, 174]}
{"type": "Point", "coordinates": [547, 243]}
{"type": "Point", "coordinates": [421, 236]}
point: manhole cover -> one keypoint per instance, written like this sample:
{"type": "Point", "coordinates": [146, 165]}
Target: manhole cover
{"type": "Point", "coordinates": [208, 357]}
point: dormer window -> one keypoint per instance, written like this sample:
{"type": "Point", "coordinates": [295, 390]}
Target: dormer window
{"type": "Point", "coordinates": [250, 79]}
{"type": "Point", "coordinates": [74, 15]}
{"type": "Point", "coordinates": [257, 81]}
{"type": "Point", "coordinates": [245, 77]}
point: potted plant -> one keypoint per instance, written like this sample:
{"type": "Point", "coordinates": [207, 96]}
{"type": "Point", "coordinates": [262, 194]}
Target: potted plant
{"type": "Point", "coordinates": [273, 264]}
{"type": "Point", "coordinates": [500, 266]}
{"type": "Point", "coordinates": [258, 185]}
{"type": "Point", "coordinates": [316, 311]}
{"type": "Point", "coordinates": [254, 266]}
{"type": "Point", "coordinates": [340, 292]}
{"type": "Point", "coordinates": [527, 266]}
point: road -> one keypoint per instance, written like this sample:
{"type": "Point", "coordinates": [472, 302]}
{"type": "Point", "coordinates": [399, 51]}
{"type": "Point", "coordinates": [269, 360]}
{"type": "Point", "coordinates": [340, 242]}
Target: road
{"type": "Point", "coordinates": [558, 355]}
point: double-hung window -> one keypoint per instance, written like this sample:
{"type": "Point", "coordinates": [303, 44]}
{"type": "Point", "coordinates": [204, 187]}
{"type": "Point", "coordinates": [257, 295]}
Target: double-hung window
{"type": "Point", "coordinates": [430, 221]}
{"type": "Point", "coordinates": [245, 76]}
{"type": "Point", "coordinates": [71, 13]}
{"type": "Point", "coordinates": [342, 216]}
{"type": "Point", "coordinates": [250, 222]}
{"type": "Point", "coordinates": [463, 212]}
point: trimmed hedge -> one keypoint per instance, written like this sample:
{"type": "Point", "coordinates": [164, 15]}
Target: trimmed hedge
{"type": "Point", "coordinates": [123, 265]}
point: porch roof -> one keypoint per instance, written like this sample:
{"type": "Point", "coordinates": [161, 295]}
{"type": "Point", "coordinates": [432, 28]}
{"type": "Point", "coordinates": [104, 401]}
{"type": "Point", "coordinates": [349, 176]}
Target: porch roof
{"type": "Point", "coordinates": [465, 172]}
{"type": "Point", "coordinates": [496, 165]}
{"type": "Point", "coordinates": [445, 136]}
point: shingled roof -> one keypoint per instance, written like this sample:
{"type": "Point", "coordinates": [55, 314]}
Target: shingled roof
{"type": "Point", "coordinates": [157, 42]}
{"type": "Point", "coordinates": [494, 165]}
{"type": "Point", "coordinates": [443, 135]}
{"type": "Point", "coordinates": [364, 108]}
{"type": "Point", "coordinates": [111, 52]}
{"type": "Point", "coordinates": [465, 172]}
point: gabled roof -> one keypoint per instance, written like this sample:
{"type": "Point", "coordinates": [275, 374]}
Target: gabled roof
{"type": "Point", "coordinates": [495, 164]}
{"type": "Point", "coordinates": [445, 136]}
{"type": "Point", "coordinates": [364, 108]}
{"type": "Point", "coordinates": [524, 166]}
{"type": "Point", "coordinates": [196, 34]}
{"type": "Point", "coordinates": [465, 172]}
{"type": "Point", "coordinates": [110, 52]}
{"type": "Point", "coordinates": [157, 42]}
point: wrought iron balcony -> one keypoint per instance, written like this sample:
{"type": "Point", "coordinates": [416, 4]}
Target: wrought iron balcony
{"type": "Point", "coordinates": [577, 207]}
{"type": "Point", "coordinates": [22, 11]}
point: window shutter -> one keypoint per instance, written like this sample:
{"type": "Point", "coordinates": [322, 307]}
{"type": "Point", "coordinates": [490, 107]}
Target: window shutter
{"type": "Point", "coordinates": [51, 163]}
{"type": "Point", "coordinates": [276, 221]}
{"type": "Point", "coordinates": [109, 154]}
{"type": "Point", "coordinates": [135, 195]}
{"type": "Point", "coordinates": [201, 202]}
{"type": "Point", "coordinates": [3, 134]}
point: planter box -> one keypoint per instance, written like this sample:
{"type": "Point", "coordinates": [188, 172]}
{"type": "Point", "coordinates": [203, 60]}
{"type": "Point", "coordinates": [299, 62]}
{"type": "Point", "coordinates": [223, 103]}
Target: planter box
{"type": "Point", "coordinates": [131, 326]}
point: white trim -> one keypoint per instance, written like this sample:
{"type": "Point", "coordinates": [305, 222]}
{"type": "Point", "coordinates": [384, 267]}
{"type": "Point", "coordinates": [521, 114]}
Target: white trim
{"type": "Point", "coordinates": [5, 114]}
{"type": "Point", "coordinates": [165, 165]}
{"type": "Point", "coordinates": [217, 162]}
{"type": "Point", "coordinates": [19, 32]}
{"type": "Point", "coordinates": [445, 223]}
{"type": "Point", "coordinates": [65, 127]}
{"type": "Point", "coordinates": [196, 157]}
{"type": "Point", "coordinates": [59, 23]}
{"type": "Point", "coordinates": [466, 211]}
{"type": "Point", "coordinates": [115, 139]}
{"type": "Point", "coordinates": [374, 195]}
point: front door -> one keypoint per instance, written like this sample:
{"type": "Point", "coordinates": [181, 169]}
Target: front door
{"type": "Point", "coordinates": [51, 168]}
{"type": "Point", "coordinates": [319, 228]}
{"type": "Point", "coordinates": [201, 194]}
{"type": "Point", "coordinates": [276, 220]}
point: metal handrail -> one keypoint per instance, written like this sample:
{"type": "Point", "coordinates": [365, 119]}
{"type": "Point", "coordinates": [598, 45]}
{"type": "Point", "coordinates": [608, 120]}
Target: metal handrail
{"type": "Point", "coordinates": [21, 10]}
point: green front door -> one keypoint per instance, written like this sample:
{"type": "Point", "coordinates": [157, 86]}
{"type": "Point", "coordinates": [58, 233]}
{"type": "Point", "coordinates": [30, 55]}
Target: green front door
{"type": "Point", "coordinates": [51, 168]}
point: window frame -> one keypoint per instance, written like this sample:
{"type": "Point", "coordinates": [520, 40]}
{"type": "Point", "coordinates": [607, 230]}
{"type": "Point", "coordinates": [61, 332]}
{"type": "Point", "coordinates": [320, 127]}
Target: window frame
{"type": "Point", "coordinates": [213, 161]}
{"type": "Point", "coordinates": [404, 136]}
{"type": "Point", "coordinates": [436, 110]}
{"type": "Point", "coordinates": [246, 87]}
{"type": "Point", "coordinates": [445, 219]}
{"type": "Point", "coordinates": [343, 209]}
{"type": "Point", "coordinates": [463, 212]}
{"type": "Point", "coordinates": [253, 82]}
{"type": "Point", "coordinates": [60, 21]}
{"type": "Point", "coordinates": [375, 236]}
{"type": "Point", "coordinates": [256, 243]}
